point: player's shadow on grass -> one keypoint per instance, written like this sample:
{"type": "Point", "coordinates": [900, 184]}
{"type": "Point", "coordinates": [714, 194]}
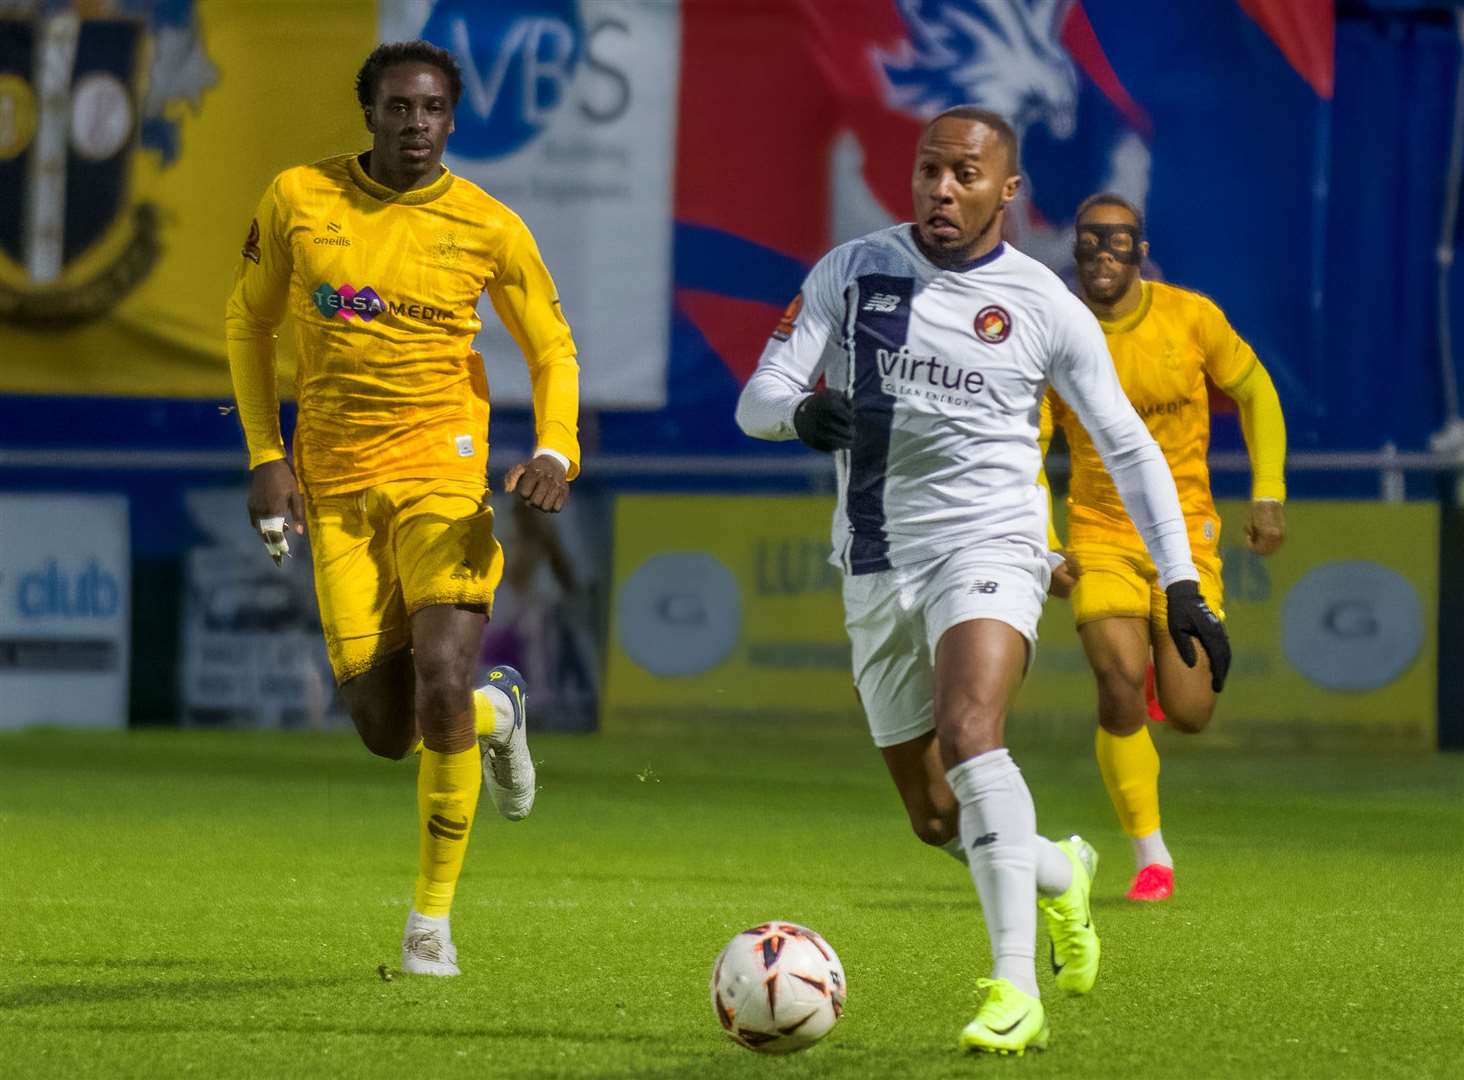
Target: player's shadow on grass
{"type": "Point", "coordinates": [1118, 903]}
{"type": "Point", "coordinates": [370, 1030]}
{"type": "Point", "coordinates": [923, 897]}
{"type": "Point", "coordinates": [126, 963]}
{"type": "Point", "coordinates": [188, 990]}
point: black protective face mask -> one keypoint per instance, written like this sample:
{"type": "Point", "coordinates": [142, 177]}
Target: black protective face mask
{"type": "Point", "coordinates": [1093, 240]}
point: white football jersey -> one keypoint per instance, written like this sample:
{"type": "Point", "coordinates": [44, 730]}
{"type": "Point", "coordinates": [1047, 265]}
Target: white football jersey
{"type": "Point", "coordinates": [946, 370]}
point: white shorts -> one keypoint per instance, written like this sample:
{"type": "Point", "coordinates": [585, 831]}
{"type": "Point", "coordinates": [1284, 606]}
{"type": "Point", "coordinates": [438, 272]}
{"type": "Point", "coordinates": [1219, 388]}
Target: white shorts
{"type": "Point", "coordinates": [895, 619]}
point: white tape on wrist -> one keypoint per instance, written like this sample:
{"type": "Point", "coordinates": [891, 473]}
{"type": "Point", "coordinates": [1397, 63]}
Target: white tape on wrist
{"type": "Point", "coordinates": [272, 531]}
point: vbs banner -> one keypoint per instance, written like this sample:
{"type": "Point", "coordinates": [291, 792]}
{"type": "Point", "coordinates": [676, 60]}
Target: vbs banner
{"type": "Point", "coordinates": [724, 606]}
{"type": "Point", "coordinates": [568, 115]}
{"type": "Point", "coordinates": [136, 139]}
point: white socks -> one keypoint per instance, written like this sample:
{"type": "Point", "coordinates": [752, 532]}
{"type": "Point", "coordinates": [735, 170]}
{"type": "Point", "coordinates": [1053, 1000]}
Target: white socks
{"type": "Point", "coordinates": [1150, 849]}
{"type": "Point", "coordinates": [417, 921]}
{"type": "Point", "coordinates": [1054, 869]}
{"type": "Point", "coordinates": [953, 848]}
{"type": "Point", "coordinates": [998, 831]}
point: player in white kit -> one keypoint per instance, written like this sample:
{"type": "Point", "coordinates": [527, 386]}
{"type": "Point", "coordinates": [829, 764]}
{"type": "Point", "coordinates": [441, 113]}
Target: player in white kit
{"type": "Point", "coordinates": [936, 341]}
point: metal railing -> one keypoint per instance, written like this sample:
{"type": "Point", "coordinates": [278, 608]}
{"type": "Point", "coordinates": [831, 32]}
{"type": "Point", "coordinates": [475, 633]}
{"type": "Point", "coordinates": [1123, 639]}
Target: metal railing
{"type": "Point", "coordinates": [1390, 464]}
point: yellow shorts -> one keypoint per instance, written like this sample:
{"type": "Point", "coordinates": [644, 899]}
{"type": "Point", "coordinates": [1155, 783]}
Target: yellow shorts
{"type": "Point", "coordinates": [1119, 580]}
{"type": "Point", "coordinates": [385, 552]}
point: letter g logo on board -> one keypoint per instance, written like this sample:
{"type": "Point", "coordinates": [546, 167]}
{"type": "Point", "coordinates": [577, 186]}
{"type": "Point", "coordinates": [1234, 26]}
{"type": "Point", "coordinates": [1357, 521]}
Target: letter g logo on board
{"type": "Point", "coordinates": [1352, 625]}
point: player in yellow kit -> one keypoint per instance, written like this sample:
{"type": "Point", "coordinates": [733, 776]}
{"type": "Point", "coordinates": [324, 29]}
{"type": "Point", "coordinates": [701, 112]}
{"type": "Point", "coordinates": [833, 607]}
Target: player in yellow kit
{"type": "Point", "coordinates": [379, 260]}
{"type": "Point", "coordinates": [1164, 341]}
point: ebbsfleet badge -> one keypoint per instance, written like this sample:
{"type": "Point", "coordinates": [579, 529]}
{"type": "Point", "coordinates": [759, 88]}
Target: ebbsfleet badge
{"type": "Point", "coordinates": [75, 109]}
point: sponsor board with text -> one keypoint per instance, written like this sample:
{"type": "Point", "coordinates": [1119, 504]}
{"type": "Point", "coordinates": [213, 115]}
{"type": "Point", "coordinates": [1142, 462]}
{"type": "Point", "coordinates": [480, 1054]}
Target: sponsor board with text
{"type": "Point", "coordinates": [725, 606]}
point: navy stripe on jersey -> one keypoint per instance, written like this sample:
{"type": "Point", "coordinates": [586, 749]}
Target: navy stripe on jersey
{"type": "Point", "coordinates": [881, 320]}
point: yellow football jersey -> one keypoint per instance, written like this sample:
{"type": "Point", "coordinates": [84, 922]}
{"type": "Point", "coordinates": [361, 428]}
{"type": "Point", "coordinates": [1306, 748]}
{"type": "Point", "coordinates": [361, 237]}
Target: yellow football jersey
{"type": "Point", "coordinates": [382, 288]}
{"type": "Point", "coordinates": [1162, 351]}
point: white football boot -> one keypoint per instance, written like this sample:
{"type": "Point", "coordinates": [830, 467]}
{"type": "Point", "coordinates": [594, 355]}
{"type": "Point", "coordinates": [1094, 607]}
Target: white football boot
{"type": "Point", "coordinates": [427, 947]}
{"type": "Point", "coordinates": [508, 770]}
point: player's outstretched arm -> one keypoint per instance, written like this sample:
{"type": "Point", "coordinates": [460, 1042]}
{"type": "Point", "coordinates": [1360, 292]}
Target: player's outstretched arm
{"type": "Point", "coordinates": [1235, 368]}
{"type": "Point", "coordinates": [256, 306]}
{"type": "Point", "coordinates": [1264, 428]}
{"type": "Point", "coordinates": [1064, 574]}
{"type": "Point", "coordinates": [526, 299]}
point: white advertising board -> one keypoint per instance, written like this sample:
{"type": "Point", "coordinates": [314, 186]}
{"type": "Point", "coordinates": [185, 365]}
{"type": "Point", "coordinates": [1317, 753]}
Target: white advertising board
{"type": "Point", "coordinates": [65, 610]}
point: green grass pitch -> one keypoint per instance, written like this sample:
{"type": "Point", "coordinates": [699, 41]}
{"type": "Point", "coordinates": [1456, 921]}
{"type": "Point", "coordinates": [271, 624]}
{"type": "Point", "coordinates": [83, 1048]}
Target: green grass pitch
{"type": "Point", "coordinates": [219, 904]}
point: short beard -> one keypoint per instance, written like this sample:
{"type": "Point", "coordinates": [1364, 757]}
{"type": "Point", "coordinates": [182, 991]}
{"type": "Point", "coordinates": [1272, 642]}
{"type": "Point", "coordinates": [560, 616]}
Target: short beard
{"type": "Point", "coordinates": [951, 259]}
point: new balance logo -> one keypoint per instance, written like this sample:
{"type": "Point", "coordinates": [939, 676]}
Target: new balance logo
{"type": "Point", "coordinates": [883, 303]}
{"type": "Point", "coordinates": [986, 588]}
{"type": "Point", "coordinates": [983, 840]}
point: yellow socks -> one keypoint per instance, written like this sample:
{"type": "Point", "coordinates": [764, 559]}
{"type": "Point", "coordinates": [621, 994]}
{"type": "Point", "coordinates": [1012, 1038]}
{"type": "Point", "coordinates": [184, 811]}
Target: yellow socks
{"type": "Point", "coordinates": [1130, 768]}
{"type": "Point", "coordinates": [447, 797]}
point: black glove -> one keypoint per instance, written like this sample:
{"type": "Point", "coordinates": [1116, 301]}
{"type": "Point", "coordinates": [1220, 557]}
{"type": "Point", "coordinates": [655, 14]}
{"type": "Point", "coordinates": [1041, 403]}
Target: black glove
{"type": "Point", "coordinates": [825, 421]}
{"type": "Point", "coordinates": [1190, 616]}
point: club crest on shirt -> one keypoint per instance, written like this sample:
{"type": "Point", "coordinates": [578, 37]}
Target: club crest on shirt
{"type": "Point", "coordinates": [993, 324]}
{"type": "Point", "coordinates": [447, 251]}
{"type": "Point", "coordinates": [784, 330]}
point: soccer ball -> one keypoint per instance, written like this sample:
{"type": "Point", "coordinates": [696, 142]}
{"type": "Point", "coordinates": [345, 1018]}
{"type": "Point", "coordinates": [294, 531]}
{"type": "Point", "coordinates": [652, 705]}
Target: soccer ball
{"type": "Point", "coordinates": [778, 988]}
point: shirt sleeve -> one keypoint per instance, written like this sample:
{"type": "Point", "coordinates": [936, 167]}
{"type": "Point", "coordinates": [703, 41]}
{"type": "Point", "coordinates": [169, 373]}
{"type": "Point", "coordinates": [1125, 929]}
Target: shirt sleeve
{"type": "Point", "coordinates": [1229, 360]}
{"type": "Point", "coordinates": [1234, 367]}
{"type": "Point", "coordinates": [1082, 373]}
{"type": "Point", "coordinates": [256, 307]}
{"type": "Point", "coordinates": [525, 298]}
{"type": "Point", "coordinates": [1264, 428]}
{"type": "Point", "coordinates": [793, 358]}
